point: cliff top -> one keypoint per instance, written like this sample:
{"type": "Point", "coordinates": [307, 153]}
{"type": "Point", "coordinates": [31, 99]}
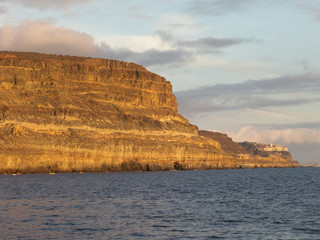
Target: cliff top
{"type": "Point", "coordinates": [38, 57]}
{"type": "Point", "coordinates": [93, 92]}
{"type": "Point", "coordinates": [226, 142]}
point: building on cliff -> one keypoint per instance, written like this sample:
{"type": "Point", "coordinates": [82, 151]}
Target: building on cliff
{"type": "Point", "coordinates": [266, 150]}
{"type": "Point", "coordinates": [271, 148]}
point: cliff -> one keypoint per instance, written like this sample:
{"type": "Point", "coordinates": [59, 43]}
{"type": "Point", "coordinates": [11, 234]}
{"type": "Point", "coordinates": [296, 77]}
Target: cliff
{"type": "Point", "coordinates": [62, 113]}
{"type": "Point", "coordinates": [226, 143]}
{"type": "Point", "coordinates": [249, 152]}
{"type": "Point", "coordinates": [266, 150]}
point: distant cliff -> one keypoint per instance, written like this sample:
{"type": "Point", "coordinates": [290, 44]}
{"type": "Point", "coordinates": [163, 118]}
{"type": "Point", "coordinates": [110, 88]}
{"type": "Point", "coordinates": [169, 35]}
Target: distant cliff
{"type": "Point", "coordinates": [251, 154]}
{"type": "Point", "coordinates": [61, 113]}
{"type": "Point", "coordinates": [266, 150]}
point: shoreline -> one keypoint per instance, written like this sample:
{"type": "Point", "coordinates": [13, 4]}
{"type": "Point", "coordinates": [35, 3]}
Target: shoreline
{"type": "Point", "coordinates": [130, 171]}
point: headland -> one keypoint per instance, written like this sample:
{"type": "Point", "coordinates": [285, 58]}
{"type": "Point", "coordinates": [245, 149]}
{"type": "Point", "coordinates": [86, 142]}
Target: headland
{"type": "Point", "coordinates": [65, 114]}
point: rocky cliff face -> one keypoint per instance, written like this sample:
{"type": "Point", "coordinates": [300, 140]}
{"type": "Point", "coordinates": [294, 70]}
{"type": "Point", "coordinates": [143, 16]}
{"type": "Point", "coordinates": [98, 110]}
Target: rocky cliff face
{"type": "Point", "coordinates": [61, 113]}
{"type": "Point", "coordinates": [252, 154]}
{"type": "Point", "coordinates": [266, 150]}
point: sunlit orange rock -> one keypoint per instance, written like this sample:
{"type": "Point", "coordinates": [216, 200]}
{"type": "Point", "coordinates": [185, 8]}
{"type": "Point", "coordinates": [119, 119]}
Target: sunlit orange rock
{"type": "Point", "coordinates": [62, 113]}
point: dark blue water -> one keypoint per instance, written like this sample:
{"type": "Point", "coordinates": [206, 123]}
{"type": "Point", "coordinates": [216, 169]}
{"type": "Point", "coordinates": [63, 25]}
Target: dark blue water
{"type": "Point", "coordinates": [226, 204]}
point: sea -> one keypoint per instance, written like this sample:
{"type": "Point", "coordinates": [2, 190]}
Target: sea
{"type": "Point", "coordinates": [279, 203]}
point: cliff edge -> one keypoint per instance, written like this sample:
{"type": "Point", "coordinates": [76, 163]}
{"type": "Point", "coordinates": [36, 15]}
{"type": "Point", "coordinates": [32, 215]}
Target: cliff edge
{"type": "Point", "coordinates": [251, 151]}
{"type": "Point", "coordinates": [62, 113]}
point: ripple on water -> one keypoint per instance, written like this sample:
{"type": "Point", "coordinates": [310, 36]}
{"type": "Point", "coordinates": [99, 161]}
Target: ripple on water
{"type": "Point", "coordinates": [227, 204]}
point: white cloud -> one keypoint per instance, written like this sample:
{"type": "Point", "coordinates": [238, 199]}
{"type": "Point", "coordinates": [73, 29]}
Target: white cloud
{"type": "Point", "coordinates": [41, 36]}
{"type": "Point", "coordinates": [303, 143]}
{"type": "Point", "coordinates": [282, 136]}
{"type": "Point", "coordinates": [136, 43]}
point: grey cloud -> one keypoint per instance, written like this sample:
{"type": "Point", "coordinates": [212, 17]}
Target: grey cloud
{"type": "Point", "coordinates": [218, 7]}
{"type": "Point", "coordinates": [41, 36]}
{"type": "Point", "coordinates": [165, 36]}
{"type": "Point", "coordinates": [210, 43]}
{"type": "Point", "coordinates": [146, 58]}
{"type": "Point", "coordinates": [156, 57]}
{"type": "Point", "coordinates": [253, 102]}
{"type": "Point", "coordinates": [303, 64]}
{"type": "Point", "coordinates": [250, 94]}
{"type": "Point", "coordinates": [281, 84]}
{"type": "Point", "coordinates": [44, 4]}
{"type": "Point", "coordinates": [2, 10]}
{"type": "Point", "coordinates": [201, 45]}
{"type": "Point", "coordinates": [225, 103]}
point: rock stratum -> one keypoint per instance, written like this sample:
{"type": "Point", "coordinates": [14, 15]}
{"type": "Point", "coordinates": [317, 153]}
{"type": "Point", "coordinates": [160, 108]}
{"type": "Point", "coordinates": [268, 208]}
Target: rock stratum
{"type": "Point", "coordinates": [63, 114]}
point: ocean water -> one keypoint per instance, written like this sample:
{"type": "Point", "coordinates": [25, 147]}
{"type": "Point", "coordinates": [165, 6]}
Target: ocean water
{"type": "Point", "coordinates": [218, 204]}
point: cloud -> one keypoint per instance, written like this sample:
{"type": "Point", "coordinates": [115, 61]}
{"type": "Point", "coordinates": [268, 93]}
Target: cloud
{"type": "Point", "coordinates": [165, 36]}
{"type": "Point", "coordinates": [251, 94]}
{"type": "Point", "coordinates": [164, 48]}
{"type": "Point", "coordinates": [200, 45]}
{"type": "Point", "coordinates": [287, 83]}
{"type": "Point", "coordinates": [311, 8]}
{"type": "Point", "coordinates": [156, 57]}
{"type": "Point", "coordinates": [41, 36]}
{"type": "Point", "coordinates": [274, 135]}
{"type": "Point", "coordinates": [210, 44]}
{"type": "Point", "coordinates": [48, 4]}
{"type": "Point", "coordinates": [2, 10]}
{"type": "Point", "coordinates": [302, 142]}
{"type": "Point", "coordinates": [218, 7]}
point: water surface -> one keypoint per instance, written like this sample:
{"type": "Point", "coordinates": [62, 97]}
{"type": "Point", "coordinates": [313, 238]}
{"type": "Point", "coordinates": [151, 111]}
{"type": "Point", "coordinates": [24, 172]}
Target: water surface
{"type": "Point", "coordinates": [224, 204]}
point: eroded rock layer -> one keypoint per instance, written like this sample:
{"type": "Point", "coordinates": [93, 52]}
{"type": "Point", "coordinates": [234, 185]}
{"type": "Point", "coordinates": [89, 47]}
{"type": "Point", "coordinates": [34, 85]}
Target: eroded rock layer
{"type": "Point", "coordinates": [61, 113]}
{"type": "Point", "coordinates": [249, 154]}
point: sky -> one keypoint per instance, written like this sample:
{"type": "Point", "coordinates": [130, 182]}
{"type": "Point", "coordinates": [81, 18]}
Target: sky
{"type": "Point", "coordinates": [248, 68]}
